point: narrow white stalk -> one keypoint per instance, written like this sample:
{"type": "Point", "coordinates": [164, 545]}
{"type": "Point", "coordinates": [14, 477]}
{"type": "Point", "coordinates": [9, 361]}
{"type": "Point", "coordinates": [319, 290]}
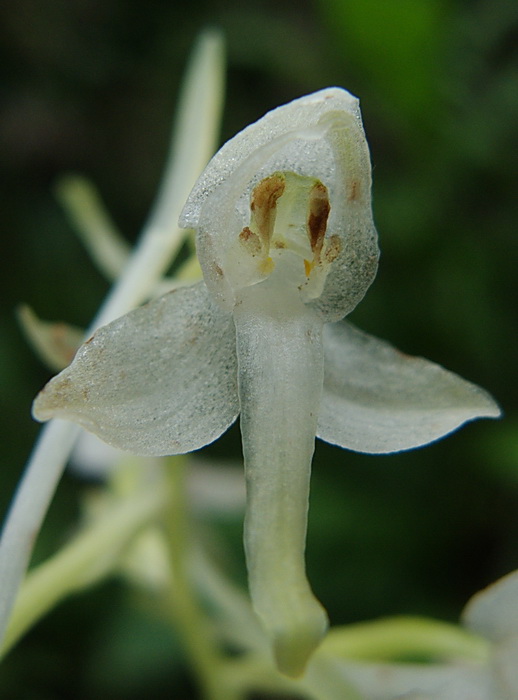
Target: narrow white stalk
{"type": "Point", "coordinates": [192, 145]}
{"type": "Point", "coordinates": [279, 347]}
{"type": "Point", "coordinates": [29, 507]}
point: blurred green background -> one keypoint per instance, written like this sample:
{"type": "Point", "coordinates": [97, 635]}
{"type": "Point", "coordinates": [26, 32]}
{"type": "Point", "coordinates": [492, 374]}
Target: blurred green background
{"type": "Point", "coordinates": [89, 86]}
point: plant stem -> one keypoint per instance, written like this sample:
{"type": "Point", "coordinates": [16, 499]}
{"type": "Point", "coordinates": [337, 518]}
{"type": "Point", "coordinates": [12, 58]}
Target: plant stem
{"type": "Point", "coordinates": [190, 620]}
{"type": "Point", "coordinates": [89, 556]}
{"type": "Point", "coordinates": [29, 507]}
{"type": "Point", "coordinates": [396, 637]}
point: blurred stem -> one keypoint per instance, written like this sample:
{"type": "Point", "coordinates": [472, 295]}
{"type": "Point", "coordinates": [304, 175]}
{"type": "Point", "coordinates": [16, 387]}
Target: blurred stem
{"type": "Point", "coordinates": [92, 223]}
{"type": "Point", "coordinates": [90, 556]}
{"type": "Point", "coordinates": [190, 620]}
{"type": "Point", "coordinates": [400, 637]}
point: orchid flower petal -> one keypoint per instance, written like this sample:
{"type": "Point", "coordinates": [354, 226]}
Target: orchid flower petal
{"type": "Point", "coordinates": [379, 400]}
{"type": "Point", "coordinates": [280, 383]}
{"type": "Point", "coordinates": [159, 380]}
{"type": "Point", "coordinates": [318, 136]}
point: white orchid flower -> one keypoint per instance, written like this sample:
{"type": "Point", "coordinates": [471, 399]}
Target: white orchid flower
{"type": "Point", "coordinates": [288, 247]}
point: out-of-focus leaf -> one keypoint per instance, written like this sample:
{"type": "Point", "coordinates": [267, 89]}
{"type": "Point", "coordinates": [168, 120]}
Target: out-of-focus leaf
{"type": "Point", "coordinates": [93, 225]}
{"type": "Point", "coordinates": [54, 343]}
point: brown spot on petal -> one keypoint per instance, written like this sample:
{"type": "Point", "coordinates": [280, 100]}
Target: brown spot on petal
{"type": "Point", "coordinates": [319, 208]}
{"type": "Point", "coordinates": [250, 240]}
{"type": "Point", "coordinates": [353, 191]}
{"type": "Point", "coordinates": [264, 204]}
{"type": "Point", "coordinates": [246, 234]}
{"type": "Point", "coordinates": [267, 192]}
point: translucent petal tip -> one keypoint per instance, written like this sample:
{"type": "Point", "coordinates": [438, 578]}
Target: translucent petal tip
{"type": "Point", "coordinates": [293, 646]}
